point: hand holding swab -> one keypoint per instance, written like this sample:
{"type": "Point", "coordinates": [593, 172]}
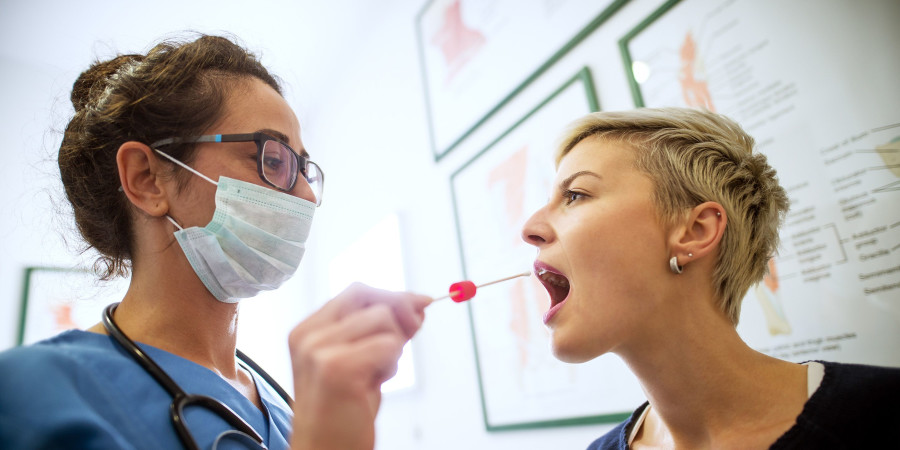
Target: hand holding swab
{"type": "Point", "coordinates": [464, 290]}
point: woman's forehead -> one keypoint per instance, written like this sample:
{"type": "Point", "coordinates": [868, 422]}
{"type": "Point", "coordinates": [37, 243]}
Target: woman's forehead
{"type": "Point", "coordinates": [598, 155]}
{"type": "Point", "coordinates": [255, 106]}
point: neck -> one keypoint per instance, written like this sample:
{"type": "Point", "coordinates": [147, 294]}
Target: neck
{"type": "Point", "coordinates": [704, 383]}
{"type": "Point", "coordinates": [178, 314]}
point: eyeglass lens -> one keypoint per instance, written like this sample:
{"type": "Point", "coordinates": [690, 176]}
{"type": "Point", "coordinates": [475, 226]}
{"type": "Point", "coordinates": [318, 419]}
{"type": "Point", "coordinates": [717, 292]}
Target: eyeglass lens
{"type": "Point", "coordinates": [279, 167]}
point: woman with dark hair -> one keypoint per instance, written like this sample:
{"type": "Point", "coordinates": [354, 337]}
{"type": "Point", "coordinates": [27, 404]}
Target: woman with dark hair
{"type": "Point", "coordinates": [185, 168]}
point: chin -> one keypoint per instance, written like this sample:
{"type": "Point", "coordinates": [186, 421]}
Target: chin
{"type": "Point", "coordinates": [569, 352]}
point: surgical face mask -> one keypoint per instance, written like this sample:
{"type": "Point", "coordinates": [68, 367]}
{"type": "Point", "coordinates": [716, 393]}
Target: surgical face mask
{"type": "Point", "coordinates": [254, 242]}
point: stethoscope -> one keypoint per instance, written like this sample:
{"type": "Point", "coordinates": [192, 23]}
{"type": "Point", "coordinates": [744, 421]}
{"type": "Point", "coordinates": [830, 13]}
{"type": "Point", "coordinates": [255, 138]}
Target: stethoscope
{"type": "Point", "coordinates": [181, 399]}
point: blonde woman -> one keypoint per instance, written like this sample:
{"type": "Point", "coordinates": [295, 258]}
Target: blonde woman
{"type": "Point", "coordinates": [658, 223]}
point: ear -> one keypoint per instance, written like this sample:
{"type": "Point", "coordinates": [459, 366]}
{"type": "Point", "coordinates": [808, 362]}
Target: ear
{"type": "Point", "coordinates": [700, 234]}
{"type": "Point", "coordinates": [139, 173]}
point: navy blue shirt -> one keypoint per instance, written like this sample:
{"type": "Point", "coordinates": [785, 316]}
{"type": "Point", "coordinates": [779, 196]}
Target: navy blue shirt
{"type": "Point", "coordinates": [855, 406]}
{"type": "Point", "coordinates": [81, 390]}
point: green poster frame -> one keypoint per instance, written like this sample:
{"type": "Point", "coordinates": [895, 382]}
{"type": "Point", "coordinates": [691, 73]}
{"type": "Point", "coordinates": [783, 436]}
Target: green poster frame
{"type": "Point", "coordinates": [77, 287]}
{"type": "Point", "coordinates": [627, 60]}
{"type": "Point", "coordinates": [440, 153]}
{"type": "Point", "coordinates": [26, 289]}
{"type": "Point", "coordinates": [582, 76]}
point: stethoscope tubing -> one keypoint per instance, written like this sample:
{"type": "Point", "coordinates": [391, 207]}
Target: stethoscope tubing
{"type": "Point", "coordinates": [265, 376]}
{"type": "Point", "coordinates": [181, 399]}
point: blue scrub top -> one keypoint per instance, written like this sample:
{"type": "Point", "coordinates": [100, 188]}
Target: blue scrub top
{"type": "Point", "coordinates": [81, 390]}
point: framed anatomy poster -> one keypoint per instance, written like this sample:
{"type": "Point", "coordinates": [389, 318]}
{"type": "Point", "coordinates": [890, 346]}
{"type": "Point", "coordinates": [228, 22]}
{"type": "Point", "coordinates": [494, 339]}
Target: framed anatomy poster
{"type": "Point", "coordinates": [822, 106]}
{"type": "Point", "coordinates": [522, 385]}
{"type": "Point", "coordinates": [477, 55]}
{"type": "Point", "coordinates": [56, 299]}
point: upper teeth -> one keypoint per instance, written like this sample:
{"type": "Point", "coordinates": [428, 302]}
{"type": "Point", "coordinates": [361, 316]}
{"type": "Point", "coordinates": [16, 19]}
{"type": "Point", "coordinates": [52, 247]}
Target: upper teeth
{"type": "Point", "coordinates": [552, 278]}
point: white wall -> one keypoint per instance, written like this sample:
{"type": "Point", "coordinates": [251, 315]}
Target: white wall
{"type": "Point", "coordinates": [353, 77]}
{"type": "Point", "coordinates": [380, 114]}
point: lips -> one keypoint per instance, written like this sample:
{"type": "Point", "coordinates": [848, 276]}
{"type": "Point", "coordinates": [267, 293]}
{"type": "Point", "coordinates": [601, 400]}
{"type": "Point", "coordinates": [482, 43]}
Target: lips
{"type": "Point", "coordinates": [557, 286]}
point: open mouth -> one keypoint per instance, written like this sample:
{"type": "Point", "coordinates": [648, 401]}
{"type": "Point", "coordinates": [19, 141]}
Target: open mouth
{"type": "Point", "coordinates": [555, 283]}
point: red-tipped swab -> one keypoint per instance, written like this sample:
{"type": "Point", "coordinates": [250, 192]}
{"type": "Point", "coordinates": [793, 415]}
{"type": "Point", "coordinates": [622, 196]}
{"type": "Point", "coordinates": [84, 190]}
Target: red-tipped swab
{"type": "Point", "coordinates": [465, 290]}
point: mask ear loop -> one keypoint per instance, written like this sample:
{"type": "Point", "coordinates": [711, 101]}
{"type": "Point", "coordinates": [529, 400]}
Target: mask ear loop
{"type": "Point", "coordinates": [174, 222]}
{"type": "Point", "coordinates": [185, 166]}
{"type": "Point", "coordinates": [170, 158]}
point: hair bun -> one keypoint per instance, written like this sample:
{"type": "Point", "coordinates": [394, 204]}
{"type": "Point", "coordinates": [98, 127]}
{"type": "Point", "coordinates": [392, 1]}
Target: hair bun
{"type": "Point", "coordinates": [93, 81]}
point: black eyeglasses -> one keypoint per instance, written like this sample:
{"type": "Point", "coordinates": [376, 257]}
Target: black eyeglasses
{"type": "Point", "coordinates": [277, 163]}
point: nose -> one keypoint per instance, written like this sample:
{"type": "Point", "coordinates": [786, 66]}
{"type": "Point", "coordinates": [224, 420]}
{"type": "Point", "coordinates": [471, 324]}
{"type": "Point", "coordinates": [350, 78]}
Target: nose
{"type": "Point", "coordinates": [537, 231]}
{"type": "Point", "coordinates": [303, 190]}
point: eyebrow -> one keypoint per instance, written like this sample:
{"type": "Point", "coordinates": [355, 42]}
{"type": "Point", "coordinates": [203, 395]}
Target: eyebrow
{"type": "Point", "coordinates": [564, 184]}
{"type": "Point", "coordinates": [283, 138]}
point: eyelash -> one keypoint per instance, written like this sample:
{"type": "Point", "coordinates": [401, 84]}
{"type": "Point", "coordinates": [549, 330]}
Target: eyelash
{"type": "Point", "coordinates": [569, 194]}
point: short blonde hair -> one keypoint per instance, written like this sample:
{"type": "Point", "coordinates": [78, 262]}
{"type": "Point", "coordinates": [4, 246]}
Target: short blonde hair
{"type": "Point", "coordinates": [693, 157]}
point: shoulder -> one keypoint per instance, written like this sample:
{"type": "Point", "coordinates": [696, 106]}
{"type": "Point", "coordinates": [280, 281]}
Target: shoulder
{"type": "Point", "coordinates": [854, 406]}
{"type": "Point", "coordinates": [57, 356]}
{"type": "Point", "coordinates": [46, 394]}
{"type": "Point", "coordinates": [54, 369]}
{"type": "Point", "coordinates": [613, 440]}
{"type": "Point", "coordinates": [857, 386]}
{"type": "Point", "coordinates": [851, 373]}
{"type": "Point", "coordinates": [617, 438]}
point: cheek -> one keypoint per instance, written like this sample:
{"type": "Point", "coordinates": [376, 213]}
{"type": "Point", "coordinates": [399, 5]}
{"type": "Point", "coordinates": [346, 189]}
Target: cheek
{"type": "Point", "coordinates": [613, 265]}
{"type": "Point", "coordinates": [609, 251]}
{"type": "Point", "coordinates": [618, 273]}
{"type": "Point", "coordinates": [196, 202]}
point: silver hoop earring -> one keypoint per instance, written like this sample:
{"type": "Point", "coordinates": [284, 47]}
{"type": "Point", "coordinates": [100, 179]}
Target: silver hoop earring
{"type": "Point", "coordinates": [673, 265]}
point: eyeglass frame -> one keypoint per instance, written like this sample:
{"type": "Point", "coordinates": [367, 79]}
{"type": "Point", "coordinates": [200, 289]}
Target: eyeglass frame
{"type": "Point", "coordinates": [260, 138]}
